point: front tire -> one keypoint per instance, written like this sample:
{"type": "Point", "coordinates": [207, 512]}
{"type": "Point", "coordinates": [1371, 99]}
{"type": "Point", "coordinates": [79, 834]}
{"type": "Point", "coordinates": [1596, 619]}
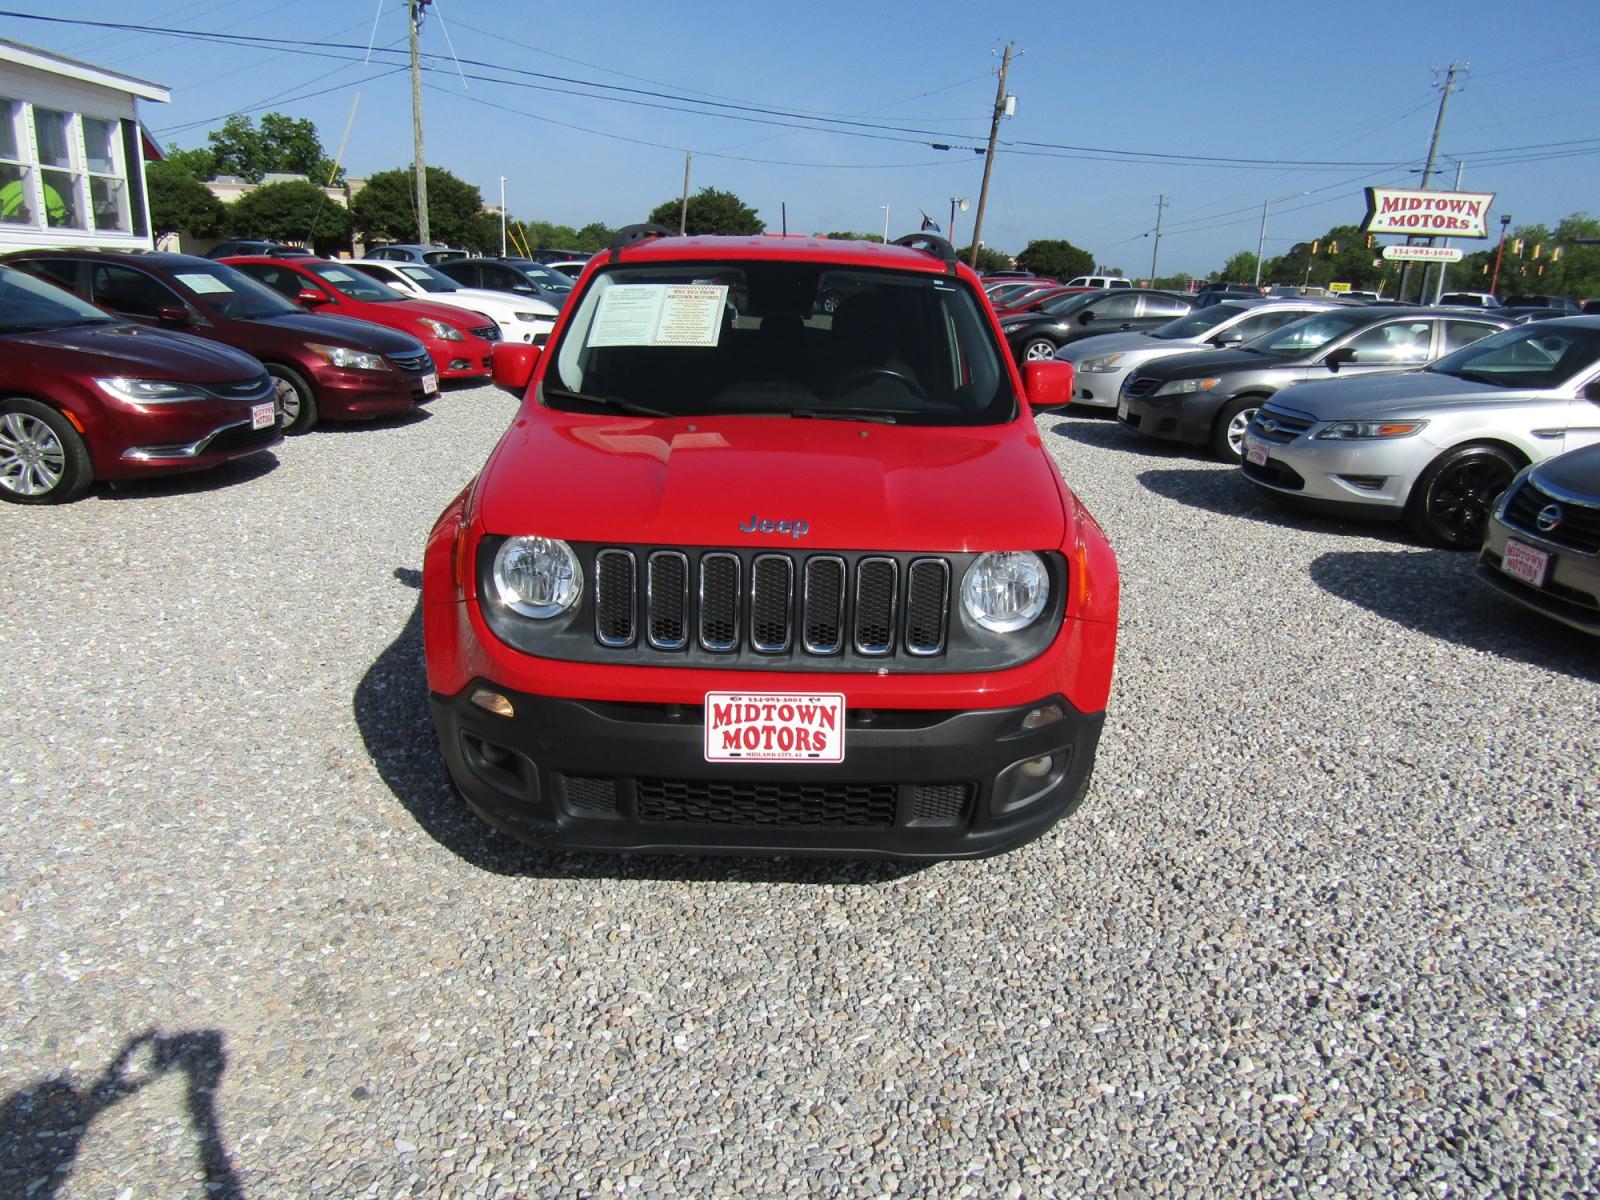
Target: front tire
{"type": "Point", "coordinates": [294, 397]}
{"type": "Point", "coordinates": [42, 458]}
{"type": "Point", "coordinates": [1450, 503]}
{"type": "Point", "coordinates": [1037, 350]}
{"type": "Point", "coordinates": [1227, 431]}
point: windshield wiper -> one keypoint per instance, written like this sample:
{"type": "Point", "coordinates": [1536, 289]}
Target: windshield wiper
{"type": "Point", "coordinates": [1477, 377]}
{"type": "Point", "coordinates": [609, 403]}
{"type": "Point", "coordinates": [878, 416]}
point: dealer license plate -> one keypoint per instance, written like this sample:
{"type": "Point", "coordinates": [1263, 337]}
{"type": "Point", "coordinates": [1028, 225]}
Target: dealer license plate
{"type": "Point", "coordinates": [1525, 562]}
{"type": "Point", "coordinates": [1255, 452]}
{"type": "Point", "coordinates": [263, 416]}
{"type": "Point", "coordinates": [768, 727]}
{"type": "Point", "coordinates": [430, 383]}
{"type": "Point", "coordinates": [1122, 410]}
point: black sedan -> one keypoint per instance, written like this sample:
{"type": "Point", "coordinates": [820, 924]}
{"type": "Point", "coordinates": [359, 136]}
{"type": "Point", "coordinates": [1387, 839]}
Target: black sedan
{"type": "Point", "coordinates": [1209, 398]}
{"type": "Point", "coordinates": [1038, 335]}
{"type": "Point", "coordinates": [519, 276]}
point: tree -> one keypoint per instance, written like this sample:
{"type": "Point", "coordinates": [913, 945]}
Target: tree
{"type": "Point", "coordinates": [291, 212]}
{"type": "Point", "coordinates": [710, 211]}
{"type": "Point", "coordinates": [1055, 258]}
{"type": "Point", "coordinates": [848, 236]}
{"type": "Point", "coordinates": [989, 259]}
{"type": "Point", "coordinates": [1241, 268]}
{"type": "Point", "coordinates": [180, 203]}
{"type": "Point", "coordinates": [199, 162]}
{"type": "Point", "coordinates": [386, 209]}
{"type": "Point", "coordinates": [281, 144]}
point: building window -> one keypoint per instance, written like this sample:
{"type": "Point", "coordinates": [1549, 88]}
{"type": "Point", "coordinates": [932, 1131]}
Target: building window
{"type": "Point", "coordinates": [108, 191]}
{"type": "Point", "coordinates": [62, 170]}
{"type": "Point", "coordinates": [16, 178]}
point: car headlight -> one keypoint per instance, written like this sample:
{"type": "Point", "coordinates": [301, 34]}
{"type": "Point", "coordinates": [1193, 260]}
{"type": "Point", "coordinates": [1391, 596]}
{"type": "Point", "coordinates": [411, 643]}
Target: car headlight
{"type": "Point", "coordinates": [1182, 387]}
{"type": "Point", "coordinates": [1005, 590]}
{"type": "Point", "coordinates": [537, 577]}
{"type": "Point", "coordinates": [1103, 362]}
{"type": "Point", "coordinates": [150, 391]}
{"type": "Point", "coordinates": [1350, 431]}
{"type": "Point", "coordinates": [347, 357]}
{"type": "Point", "coordinates": [440, 330]}
{"type": "Point", "coordinates": [526, 316]}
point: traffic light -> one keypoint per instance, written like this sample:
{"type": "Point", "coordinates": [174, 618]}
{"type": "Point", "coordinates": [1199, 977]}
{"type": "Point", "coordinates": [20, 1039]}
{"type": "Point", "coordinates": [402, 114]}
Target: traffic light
{"type": "Point", "coordinates": [1333, 247]}
{"type": "Point", "coordinates": [1315, 244]}
{"type": "Point", "coordinates": [1369, 241]}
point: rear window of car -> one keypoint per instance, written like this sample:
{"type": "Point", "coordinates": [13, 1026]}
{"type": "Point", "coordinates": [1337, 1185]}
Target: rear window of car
{"type": "Point", "coordinates": [800, 339]}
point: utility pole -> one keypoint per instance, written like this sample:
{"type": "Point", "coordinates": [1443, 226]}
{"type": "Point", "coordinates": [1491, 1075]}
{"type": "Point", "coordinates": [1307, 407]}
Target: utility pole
{"type": "Point", "coordinates": [988, 158]}
{"type": "Point", "coordinates": [1161, 207]}
{"type": "Point", "coordinates": [1427, 171]}
{"type": "Point", "coordinates": [416, 9]}
{"type": "Point", "coordinates": [1444, 267]}
{"type": "Point", "coordinates": [683, 209]}
{"type": "Point", "coordinates": [502, 216]}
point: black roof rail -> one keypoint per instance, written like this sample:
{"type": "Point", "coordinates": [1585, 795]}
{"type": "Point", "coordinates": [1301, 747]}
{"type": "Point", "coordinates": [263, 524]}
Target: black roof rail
{"type": "Point", "coordinates": [629, 234]}
{"type": "Point", "coordinates": [933, 245]}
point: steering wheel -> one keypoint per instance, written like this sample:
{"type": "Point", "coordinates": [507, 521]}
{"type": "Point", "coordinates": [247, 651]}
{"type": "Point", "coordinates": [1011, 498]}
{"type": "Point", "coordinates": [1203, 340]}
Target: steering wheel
{"type": "Point", "coordinates": [863, 375]}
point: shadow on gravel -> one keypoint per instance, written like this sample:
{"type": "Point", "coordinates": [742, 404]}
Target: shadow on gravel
{"type": "Point", "coordinates": [1093, 429]}
{"type": "Point", "coordinates": [391, 710]}
{"type": "Point", "coordinates": [42, 1126]}
{"type": "Point", "coordinates": [1225, 490]}
{"type": "Point", "coordinates": [1433, 592]}
{"type": "Point", "coordinates": [399, 421]}
{"type": "Point", "coordinates": [229, 474]}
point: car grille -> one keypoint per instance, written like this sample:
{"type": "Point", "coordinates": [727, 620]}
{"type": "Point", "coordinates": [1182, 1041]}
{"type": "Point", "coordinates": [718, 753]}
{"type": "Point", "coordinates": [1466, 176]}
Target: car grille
{"type": "Point", "coordinates": [415, 363]}
{"type": "Point", "coordinates": [240, 437]}
{"type": "Point", "coordinates": [1275, 473]}
{"type": "Point", "coordinates": [756, 803]}
{"type": "Point", "coordinates": [1280, 425]}
{"type": "Point", "coordinates": [489, 333]}
{"type": "Point", "coordinates": [822, 605]}
{"type": "Point", "coordinates": [1137, 387]}
{"type": "Point", "coordinates": [1580, 523]}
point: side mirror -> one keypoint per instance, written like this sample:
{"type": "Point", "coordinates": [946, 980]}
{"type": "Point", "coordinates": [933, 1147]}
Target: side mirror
{"type": "Point", "coordinates": [311, 298]}
{"type": "Point", "coordinates": [1085, 318]}
{"type": "Point", "coordinates": [1341, 356]}
{"type": "Point", "coordinates": [1591, 390]}
{"type": "Point", "coordinates": [174, 314]}
{"type": "Point", "coordinates": [513, 365]}
{"type": "Point", "coordinates": [1230, 338]}
{"type": "Point", "coordinates": [1047, 383]}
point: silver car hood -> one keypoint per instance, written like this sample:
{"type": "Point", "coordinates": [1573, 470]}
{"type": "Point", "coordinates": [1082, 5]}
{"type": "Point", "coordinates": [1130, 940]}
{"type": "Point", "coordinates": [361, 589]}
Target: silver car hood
{"type": "Point", "coordinates": [1114, 343]}
{"type": "Point", "coordinates": [1394, 394]}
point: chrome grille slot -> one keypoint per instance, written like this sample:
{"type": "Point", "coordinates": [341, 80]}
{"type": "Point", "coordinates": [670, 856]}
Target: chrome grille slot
{"type": "Point", "coordinates": [927, 605]}
{"type": "Point", "coordinates": [614, 606]}
{"type": "Point", "coordinates": [822, 605]}
{"type": "Point", "coordinates": [877, 591]}
{"type": "Point", "coordinates": [771, 603]}
{"type": "Point", "coordinates": [667, 600]}
{"type": "Point", "coordinates": [719, 602]}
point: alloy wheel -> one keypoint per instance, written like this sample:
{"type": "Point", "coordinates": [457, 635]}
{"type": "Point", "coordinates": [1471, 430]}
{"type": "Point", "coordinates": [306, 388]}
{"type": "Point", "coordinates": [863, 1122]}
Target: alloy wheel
{"type": "Point", "coordinates": [1462, 495]}
{"type": "Point", "coordinates": [288, 400]}
{"type": "Point", "coordinates": [32, 458]}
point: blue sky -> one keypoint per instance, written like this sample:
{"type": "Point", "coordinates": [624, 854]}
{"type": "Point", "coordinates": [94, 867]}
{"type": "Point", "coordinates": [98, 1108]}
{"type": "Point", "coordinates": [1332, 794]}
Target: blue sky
{"type": "Point", "coordinates": [1349, 87]}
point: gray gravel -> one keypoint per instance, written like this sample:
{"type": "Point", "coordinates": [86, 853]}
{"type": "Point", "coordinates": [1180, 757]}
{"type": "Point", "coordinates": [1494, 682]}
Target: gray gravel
{"type": "Point", "coordinates": [1326, 925]}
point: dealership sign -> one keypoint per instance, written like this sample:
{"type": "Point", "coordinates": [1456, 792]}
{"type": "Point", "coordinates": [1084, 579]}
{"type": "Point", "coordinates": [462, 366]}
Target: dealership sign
{"type": "Point", "coordinates": [1422, 254]}
{"type": "Point", "coordinates": [1440, 214]}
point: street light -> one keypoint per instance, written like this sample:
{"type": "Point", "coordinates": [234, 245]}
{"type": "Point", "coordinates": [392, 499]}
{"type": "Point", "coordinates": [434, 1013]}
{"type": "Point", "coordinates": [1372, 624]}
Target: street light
{"type": "Point", "coordinates": [1261, 243]}
{"type": "Point", "coordinates": [885, 208]}
{"type": "Point", "coordinates": [1494, 284]}
{"type": "Point", "coordinates": [963, 203]}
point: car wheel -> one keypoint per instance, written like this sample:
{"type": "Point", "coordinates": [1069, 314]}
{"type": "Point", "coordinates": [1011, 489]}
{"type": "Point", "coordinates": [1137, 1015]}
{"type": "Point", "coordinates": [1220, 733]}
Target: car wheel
{"type": "Point", "coordinates": [1227, 431]}
{"type": "Point", "coordinates": [1038, 350]}
{"type": "Point", "coordinates": [42, 458]}
{"type": "Point", "coordinates": [294, 398]}
{"type": "Point", "coordinates": [1449, 504]}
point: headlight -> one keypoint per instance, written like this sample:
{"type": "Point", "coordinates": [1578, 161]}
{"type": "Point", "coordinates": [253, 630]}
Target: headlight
{"type": "Point", "coordinates": [440, 330]}
{"type": "Point", "coordinates": [150, 391]}
{"type": "Point", "coordinates": [1102, 363]}
{"type": "Point", "coordinates": [347, 357]}
{"type": "Point", "coordinates": [526, 316]}
{"type": "Point", "coordinates": [1004, 590]}
{"type": "Point", "coordinates": [1182, 387]}
{"type": "Point", "coordinates": [537, 577]}
{"type": "Point", "coordinates": [1342, 431]}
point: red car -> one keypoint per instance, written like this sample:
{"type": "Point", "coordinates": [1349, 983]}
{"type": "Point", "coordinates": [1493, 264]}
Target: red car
{"type": "Point", "coordinates": [1030, 301]}
{"type": "Point", "coordinates": [328, 367]}
{"type": "Point", "coordinates": [459, 345]}
{"type": "Point", "coordinates": [87, 396]}
{"type": "Point", "coordinates": [760, 578]}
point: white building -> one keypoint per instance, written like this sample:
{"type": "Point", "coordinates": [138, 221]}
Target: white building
{"type": "Point", "coordinates": [71, 153]}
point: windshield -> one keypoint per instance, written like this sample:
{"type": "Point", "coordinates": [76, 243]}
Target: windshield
{"type": "Point", "coordinates": [1309, 334]}
{"type": "Point", "coordinates": [29, 305]}
{"type": "Point", "coordinates": [426, 278]}
{"type": "Point", "coordinates": [1529, 356]}
{"type": "Point", "coordinates": [1200, 322]}
{"type": "Point", "coordinates": [350, 282]}
{"type": "Point", "coordinates": [792, 339]}
{"type": "Point", "coordinates": [545, 277]}
{"type": "Point", "coordinates": [229, 293]}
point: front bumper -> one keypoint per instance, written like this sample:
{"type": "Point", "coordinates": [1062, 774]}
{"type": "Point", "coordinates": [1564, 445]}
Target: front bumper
{"type": "Point", "coordinates": [1373, 477]}
{"type": "Point", "coordinates": [1099, 389]}
{"type": "Point", "coordinates": [921, 785]}
{"type": "Point", "coordinates": [365, 395]}
{"type": "Point", "coordinates": [1570, 592]}
{"type": "Point", "coordinates": [470, 358]}
{"type": "Point", "coordinates": [1185, 418]}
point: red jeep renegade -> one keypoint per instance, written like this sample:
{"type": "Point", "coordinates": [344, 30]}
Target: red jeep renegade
{"type": "Point", "coordinates": [748, 575]}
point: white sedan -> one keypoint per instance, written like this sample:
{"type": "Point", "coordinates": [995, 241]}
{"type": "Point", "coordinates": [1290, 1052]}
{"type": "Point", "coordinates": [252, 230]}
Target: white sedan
{"type": "Point", "coordinates": [521, 319]}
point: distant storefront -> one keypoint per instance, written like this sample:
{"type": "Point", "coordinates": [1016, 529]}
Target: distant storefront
{"type": "Point", "coordinates": [71, 153]}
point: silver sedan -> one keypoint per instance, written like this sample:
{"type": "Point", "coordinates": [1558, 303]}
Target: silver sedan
{"type": "Point", "coordinates": [1436, 446]}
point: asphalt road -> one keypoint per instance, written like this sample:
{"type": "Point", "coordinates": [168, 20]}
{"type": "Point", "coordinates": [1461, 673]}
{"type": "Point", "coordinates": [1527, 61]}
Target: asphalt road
{"type": "Point", "coordinates": [1325, 926]}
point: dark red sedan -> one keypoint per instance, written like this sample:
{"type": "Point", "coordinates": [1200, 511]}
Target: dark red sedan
{"type": "Point", "coordinates": [459, 344]}
{"type": "Point", "coordinates": [88, 396]}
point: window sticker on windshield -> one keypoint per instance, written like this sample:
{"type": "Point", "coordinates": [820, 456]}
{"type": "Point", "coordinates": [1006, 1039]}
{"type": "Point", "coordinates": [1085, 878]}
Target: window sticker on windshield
{"type": "Point", "coordinates": [337, 276]}
{"type": "Point", "coordinates": [202, 284]}
{"type": "Point", "coordinates": [653, 314]}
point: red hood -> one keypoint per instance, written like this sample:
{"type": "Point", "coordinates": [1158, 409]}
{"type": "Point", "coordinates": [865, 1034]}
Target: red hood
{"type": "Point", "coordinates": [696, 480]}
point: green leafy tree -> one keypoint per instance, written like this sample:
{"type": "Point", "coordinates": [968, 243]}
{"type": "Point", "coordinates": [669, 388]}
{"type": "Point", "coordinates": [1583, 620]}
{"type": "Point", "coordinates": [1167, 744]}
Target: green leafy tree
{"type": "Point", "coordinates": [1340, 255]}
{"type": "Point", "coordinates": [1241, 268]}
{"type": "Point", "coordinates": [989, 259]}
{"type": "Point", "coordinates": [1055, 258]}
{"type": "Point", "coordinates": [386, 209]}
{"type": "Point", "coordinates": [280, 144]}
{"type": "Point", "coordinates": [710, 211]}
{"type": "Point", "coordinates": [291, 212]}
{"type": "Point", "coordinates": [199, 163]}
{"type": "Point", "coordinates": [593, 236]}
{"type": "Point", "coordinates": [848, 236]}
{"type": "Point", "coordinates": [180, 203]}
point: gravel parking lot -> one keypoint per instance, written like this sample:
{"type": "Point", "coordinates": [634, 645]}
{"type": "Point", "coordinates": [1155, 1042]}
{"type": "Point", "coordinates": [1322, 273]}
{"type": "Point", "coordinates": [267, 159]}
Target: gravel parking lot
{"type": "Point", "coordinates": [1326, 925]}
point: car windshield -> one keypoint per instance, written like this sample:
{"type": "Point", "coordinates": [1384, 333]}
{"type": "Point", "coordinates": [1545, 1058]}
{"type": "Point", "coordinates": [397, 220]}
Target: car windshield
{"type": "Point", "coordinates": [1200, 322]}
{"type": "Point", "coordinates": [1528, 356]}
{"type": "Point", "coordinates": [426, 278]}
{"type": "Point", "coordinates": [545, 277]}
{"type": "Point", "coordinates": [1069, 303]}
{"type": "Point", "coordinates": [220, 289]}
{"type": "Point", "coordinates": [350, 282]}
{"type": "Point", "coordinates": [790, 339]}
{"type": "Point", "coordinates": [1309, 334]}
{"type": "Point", "coordinates": [29, 305]}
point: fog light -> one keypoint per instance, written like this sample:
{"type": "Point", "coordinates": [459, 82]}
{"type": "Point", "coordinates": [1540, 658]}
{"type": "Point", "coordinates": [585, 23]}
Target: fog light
{"type": "Point", "coordinates": [1045, 714]}
{"type": "Point", "coordinates": [1036, 768]}
{"type": "Point", "coordinates": [460, 364]}
{"type": "Point", "coordinates": [493, 702]}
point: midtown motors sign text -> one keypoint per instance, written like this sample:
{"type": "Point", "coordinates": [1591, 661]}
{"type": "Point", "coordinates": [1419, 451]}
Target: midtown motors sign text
{"type": "Point", "coordinates": [1412, 211]}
